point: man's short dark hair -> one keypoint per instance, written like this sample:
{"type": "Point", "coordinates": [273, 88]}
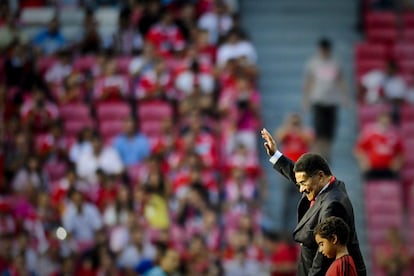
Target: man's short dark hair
{"type": "Point", "coordinates": [311, 164]}
{"type": "Point", "coordinates": [325, 44]}
{"type": "Point", "coordinates": [333, 226]}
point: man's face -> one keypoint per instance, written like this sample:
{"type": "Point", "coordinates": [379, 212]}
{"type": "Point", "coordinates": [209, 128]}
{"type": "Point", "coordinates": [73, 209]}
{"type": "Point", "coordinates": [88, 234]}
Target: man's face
{"type": "Point", "coordinates": [326, 247]}
{"type": "Point", "coordinates": [310, 185]}
{"type": "Point", "coordinates": [171, 261]}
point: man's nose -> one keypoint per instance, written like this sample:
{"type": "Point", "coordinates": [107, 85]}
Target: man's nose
{"type": "Point", "coordinates": [301, 189]}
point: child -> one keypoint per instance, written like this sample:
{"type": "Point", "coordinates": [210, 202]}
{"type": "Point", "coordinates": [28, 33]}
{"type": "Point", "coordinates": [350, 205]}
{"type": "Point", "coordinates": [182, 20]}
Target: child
{"type": "Point", "coordinates": [332, 235]}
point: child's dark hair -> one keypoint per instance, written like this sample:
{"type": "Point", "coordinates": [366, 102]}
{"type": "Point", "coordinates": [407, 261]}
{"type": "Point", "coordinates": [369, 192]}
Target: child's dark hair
{"type": "Point", "coordinates": [333, 226]}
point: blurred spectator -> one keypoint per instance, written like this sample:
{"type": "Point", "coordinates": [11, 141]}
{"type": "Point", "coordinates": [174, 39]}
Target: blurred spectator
{"type": "Point", "coordinates": [17, 153]}
{"type": "Point", "coordinates": [187, 19]}
{"type": "Point", "coordinates": [23, 249]}
{"type": "Point", "coordinates": [150, 16]}
{"type": "Point", "coordinates": [155, 82]}
{"type": "Point", "coordinates": [117, 211]}
{"type": "Point", "coordinates": [218, 21]}
{"type": "Point", "coordinates": [111, 84]}
{"type": "Point", "coordinates": [195, 81]}
{"type": "Point", "coordinates": [138, 250]}
{"type": "Point", "coordinates": [20, 69]}
{"type": "Point", "coordinates": [240, 191]}
{"type": "Point", "coordinates": [132, 146]}
{"type": "Point", "coordinates": [236, 46]}
{"type": "Point", "coordinates": [196, 258]}
{"type": "Point", "coordinates": [385, 86]}
{"type": "Point", "coordinates": [101, 157]}
{"type": "Point", "coordinates": [242, 157]}
{"type": "Point", "coordinates": [324, 91]}
{"type": "Point", "coordinates": [72, 90]}
{"type": "Point", "coordinates": [90, 41]}
{"type": "Point", "coordinates": [295, 138]}
{"type": "Point", "coordinates": [50, 40]}
{"type": "Point", "coordinates": [81, 220]}
{"type": "Point", "coordinates": [126, 40]}
{"type": "Point", "coordinates": [169, 263]}
{"type": "Point", "coordinates": [394, 256]}
{"type": "Point", "coordinates": [165, 35]}
{"type": "Point", "coordinates": [60, 69]}
{"type": "Point", "coordinates": [52, 146]}
{"type": "Point", "coordinates": [143, 62]}
{"type": "Point", "coordinates": [239, 109]}
{"type": "Point", "coordinates": [31, 177]}
{"type": "Point", "coordinates": [379, 149]}
{"type": "Point", "coordinates": [282, 255]}
{"type": "Point", "coordinates": [38, 113]}
{"type": "Point", "coordinates": [241, 265]}
{"type": "Point", "coordinates": [10, 34]}
{"type": "Point", "coordinates": [156, 210]}
{"type": "Point", "coordinates": [82, 144]}
{"type": "Point", "coordinates": [204, 49]}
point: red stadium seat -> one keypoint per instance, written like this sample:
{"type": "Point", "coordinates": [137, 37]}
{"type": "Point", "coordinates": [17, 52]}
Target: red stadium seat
{"type": "Point", "coordinates": [369, 51]}
{"type": "Point", "coordinates": [382, 35]}
{"type": "Point", "coordinates": [44, 63]}
{"type": "Point", "coordinates": [407, 35]}
{"type": "Point", "coordinates": [151, 128]}
{"type": "Point", "coordinates": [407, 113]}
{"type": "Point", "coordinates": [72, 128]}
{"type": "Point", "coordinates": [123, 64]}
{"type": "Point", "coordinates": [84, 63]}
{"type": "Point", "coordinates": [367, 113]}
{"type": "Point", "coordinates": [408, 20]}
{"type": "Point", "coordinates": [403, 51]}
{"type": "Point", "coordinates": [55, 170]}
{"type": "Point", "coordinates": [110, 129]}
{"type": "Point", "coordinates": [365, 65]}
{"type": "Point", "coordinates": [383, 189]}
{"type": "Point", "coordinates": [113, 111]}
{"type": "Point", "coordinates": [382, 19]}
{"type": "Point", "coordinates": [74, 111]}
{"type": "Point", "coordinates": [407, 129]}
{"type": "Point", "coordinates": [154, 110]}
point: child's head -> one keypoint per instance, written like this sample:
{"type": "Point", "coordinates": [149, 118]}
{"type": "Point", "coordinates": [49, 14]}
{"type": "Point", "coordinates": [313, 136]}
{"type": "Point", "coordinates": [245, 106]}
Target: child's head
{"type": "Point", "coordinates": [330, 235]}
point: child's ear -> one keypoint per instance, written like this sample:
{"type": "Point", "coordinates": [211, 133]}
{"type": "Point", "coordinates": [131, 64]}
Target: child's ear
{"type": "Point", "coordinates": [334, 239]}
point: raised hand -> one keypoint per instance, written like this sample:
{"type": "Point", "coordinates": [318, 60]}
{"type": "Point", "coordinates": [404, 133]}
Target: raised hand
{"type": "Point", "coordinates": [270, 143]}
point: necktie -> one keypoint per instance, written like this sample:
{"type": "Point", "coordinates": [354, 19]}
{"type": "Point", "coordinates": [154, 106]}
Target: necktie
{"type": "Point", "coordinates": [312, 203]}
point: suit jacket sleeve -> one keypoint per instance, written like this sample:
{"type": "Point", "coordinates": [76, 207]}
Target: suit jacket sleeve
{"type": "Point", "coordinates": [285, 167]}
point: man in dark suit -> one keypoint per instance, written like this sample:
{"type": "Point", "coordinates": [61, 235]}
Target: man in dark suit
{"type": "Point", "coordinates": [323, 196]}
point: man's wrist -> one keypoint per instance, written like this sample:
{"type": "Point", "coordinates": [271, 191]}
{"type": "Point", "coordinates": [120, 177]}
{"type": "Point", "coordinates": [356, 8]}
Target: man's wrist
{"type": "Point", "coordinates": [275, 157]}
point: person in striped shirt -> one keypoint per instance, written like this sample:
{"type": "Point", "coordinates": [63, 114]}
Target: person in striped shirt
{"type": "Point", "coordinates": [332, 235]}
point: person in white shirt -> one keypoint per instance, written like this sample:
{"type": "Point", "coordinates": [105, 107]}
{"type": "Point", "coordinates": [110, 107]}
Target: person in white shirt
{"type": "Point", "coordinates": [218, 22]}
{"type": "Point", "coordinates": [236, 47]}
{"type": "Point", "coordinates": [101, 157]}
{"type": "Point", "coordinates": [81, 219]}
{"type": "Point", "coordinates": [139, 249]}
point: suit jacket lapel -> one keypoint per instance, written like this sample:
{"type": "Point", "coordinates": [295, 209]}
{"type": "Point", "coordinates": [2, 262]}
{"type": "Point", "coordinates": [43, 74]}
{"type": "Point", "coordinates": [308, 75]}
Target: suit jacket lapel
{"type": "Point", "coordinates": [311, 211]}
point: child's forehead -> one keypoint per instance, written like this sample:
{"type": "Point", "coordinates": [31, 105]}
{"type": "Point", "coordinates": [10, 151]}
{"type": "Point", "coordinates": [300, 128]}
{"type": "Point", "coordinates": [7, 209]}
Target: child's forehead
{"type": "Point", "coordinates": [319, 238]}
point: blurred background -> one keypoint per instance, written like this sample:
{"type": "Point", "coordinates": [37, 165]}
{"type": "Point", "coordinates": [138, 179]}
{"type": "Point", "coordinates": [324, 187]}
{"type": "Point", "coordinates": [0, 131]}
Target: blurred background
{"type": "Point", "coordinates": [131, 132]}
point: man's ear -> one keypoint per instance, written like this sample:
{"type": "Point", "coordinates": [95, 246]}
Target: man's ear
{"type": "Point", "coordinates": [334, 239]}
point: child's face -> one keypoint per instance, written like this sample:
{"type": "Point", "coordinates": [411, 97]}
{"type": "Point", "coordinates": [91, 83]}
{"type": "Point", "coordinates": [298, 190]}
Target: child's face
{"type": "Point", "coordinates": [326, 247]}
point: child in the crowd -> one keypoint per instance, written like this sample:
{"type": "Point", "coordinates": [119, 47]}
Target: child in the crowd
{"type": "Point", "coordinates": [332, 236]}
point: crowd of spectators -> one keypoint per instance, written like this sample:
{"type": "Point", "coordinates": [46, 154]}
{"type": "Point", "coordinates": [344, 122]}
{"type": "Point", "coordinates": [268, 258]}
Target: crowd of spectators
{"type": "Point", "coordinates": [179, 195]}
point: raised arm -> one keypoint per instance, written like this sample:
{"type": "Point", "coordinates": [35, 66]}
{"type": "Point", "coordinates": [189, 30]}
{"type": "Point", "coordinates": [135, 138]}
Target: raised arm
{"type": "Point", "coordinates": [269, 143]}
{"type": "Point", "coordinates": [280, 163]}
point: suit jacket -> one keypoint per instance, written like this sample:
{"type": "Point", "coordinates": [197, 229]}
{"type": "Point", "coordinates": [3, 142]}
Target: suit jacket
{"type": "Point", "coordinates": [333, 201]}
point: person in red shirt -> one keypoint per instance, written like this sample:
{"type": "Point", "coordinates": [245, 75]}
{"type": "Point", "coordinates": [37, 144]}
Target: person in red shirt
{"type": "Point", "coordinates": [332, 235]}
{"type": "Point", "coordinates": [379, 149]}
{"type": "Point", "coordinates": [295, 138]}
{"type": "Point", "coordinates": [165, 35]}
{"type": "Point", "coordinates": [282, 256]}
